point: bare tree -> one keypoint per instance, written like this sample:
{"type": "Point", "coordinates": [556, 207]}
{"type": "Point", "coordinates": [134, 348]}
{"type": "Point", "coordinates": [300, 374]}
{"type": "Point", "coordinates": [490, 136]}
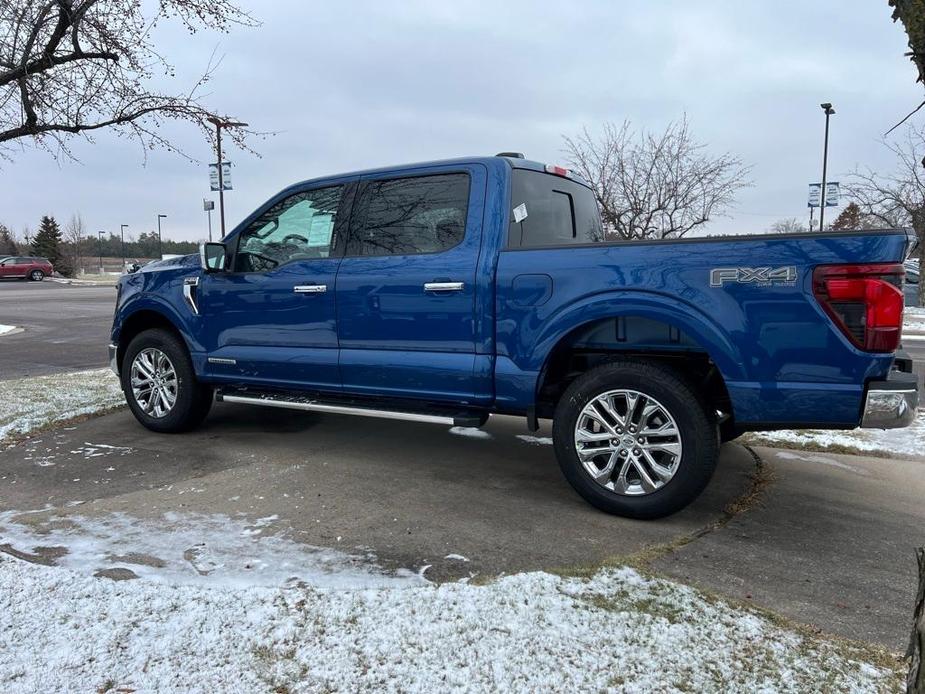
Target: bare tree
{"type": "Point", "coordinates": [74, 235]}
{"type": "Point", "coordinates": [655, 185]}
{"type": "Point", "coordinates": [70, 67]}
{"type": "Point", "coordinates": [792, 225]}
{"type": "Point", "coordinates": [896, 199]}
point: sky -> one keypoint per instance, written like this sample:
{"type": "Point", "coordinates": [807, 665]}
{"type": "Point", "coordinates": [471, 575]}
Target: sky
{"type": "Point", "coordinates": [354, 84]}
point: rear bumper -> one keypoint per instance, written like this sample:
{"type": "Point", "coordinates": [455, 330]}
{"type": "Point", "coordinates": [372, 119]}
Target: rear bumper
{"type": "Point", "coordinates": [113, 359]}
{"type": "Point", "coordinates": [891, 403]}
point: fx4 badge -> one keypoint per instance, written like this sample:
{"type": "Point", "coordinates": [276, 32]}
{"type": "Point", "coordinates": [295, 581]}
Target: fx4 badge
{"type": "Point", "coordinates": [762, 276]}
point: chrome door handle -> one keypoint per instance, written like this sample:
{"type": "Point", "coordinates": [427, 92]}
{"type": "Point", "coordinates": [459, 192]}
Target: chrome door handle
{"type": "Point", "coordinates": [444, 286]}
{"type": "Point", "coordinates": [310, 288]}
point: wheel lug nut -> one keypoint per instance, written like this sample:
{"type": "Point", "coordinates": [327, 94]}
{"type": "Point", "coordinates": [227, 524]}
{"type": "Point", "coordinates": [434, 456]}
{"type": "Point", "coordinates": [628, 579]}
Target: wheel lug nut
{"type": "Point", "coordinates": [636, 451]}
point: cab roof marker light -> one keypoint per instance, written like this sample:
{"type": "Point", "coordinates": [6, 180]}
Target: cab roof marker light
{"type": "Point", "coordinates": [558, 170]}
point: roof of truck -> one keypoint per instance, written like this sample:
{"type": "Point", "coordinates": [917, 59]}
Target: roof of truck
{"type": "Point", "coordinates": [488, 161]}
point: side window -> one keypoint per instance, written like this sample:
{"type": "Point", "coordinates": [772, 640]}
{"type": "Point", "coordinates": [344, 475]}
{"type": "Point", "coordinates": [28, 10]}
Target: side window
{"type": "Point", "coordinates": [406, 216]}
{"type": "Point", "coordinates": [550, 210]}
{"type": "Point", "coordinates": [300, 227]}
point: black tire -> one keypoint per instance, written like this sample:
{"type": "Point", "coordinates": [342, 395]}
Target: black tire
{"type": "Point", "coordinates": [696, 424]}
{"type": "Point", "coordinates": [193, 399]}
{"type": "Point", "coordinates": [36, 275]}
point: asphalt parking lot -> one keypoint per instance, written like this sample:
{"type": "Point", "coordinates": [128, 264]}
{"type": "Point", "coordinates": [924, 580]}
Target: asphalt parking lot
{"type": "Point", "coordinates": [65, 327]}
{"type": "Point", "coordinates": [824, 539]}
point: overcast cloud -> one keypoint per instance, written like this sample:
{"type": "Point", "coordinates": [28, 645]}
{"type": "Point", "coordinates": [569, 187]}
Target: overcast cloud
{"type": "Point", "coordinates": [351, 85]}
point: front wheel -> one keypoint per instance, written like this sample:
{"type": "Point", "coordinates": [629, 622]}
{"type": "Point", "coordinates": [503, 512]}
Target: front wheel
{"type": "Point", "coordinates": [159, 383]}
{"type": "Point", "coordinates": [36, 275]}
{"type": "Point", "coordinates": [634, 439]}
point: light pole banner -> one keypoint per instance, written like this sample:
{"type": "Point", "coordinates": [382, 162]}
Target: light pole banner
{"type": "Point", "coordinates": [226, 176]}
{"type": "Point", "coordinates": [815, 195]}
{"type": "Point", "coordinates": [831, 194]}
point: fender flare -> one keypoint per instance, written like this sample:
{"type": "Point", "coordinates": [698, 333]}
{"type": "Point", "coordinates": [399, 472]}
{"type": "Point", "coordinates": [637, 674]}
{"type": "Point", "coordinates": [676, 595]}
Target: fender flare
{"type": "Point", "coordinates": [686, 317]}
{"type": "Point", "coordinates": [149, 302]}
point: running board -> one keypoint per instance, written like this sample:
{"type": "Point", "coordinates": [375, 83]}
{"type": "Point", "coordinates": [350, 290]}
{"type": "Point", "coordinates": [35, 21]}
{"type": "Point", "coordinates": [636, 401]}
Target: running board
{"type": "Point", "coordinates": [310, 404]}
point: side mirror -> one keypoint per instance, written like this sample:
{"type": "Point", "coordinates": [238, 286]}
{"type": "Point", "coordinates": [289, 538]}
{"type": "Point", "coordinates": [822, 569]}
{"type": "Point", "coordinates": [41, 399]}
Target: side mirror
{"type": "Point", "coordinates": [212, 257]}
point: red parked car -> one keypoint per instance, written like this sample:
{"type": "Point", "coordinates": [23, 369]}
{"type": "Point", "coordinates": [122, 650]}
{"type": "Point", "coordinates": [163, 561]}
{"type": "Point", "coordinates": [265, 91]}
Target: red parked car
{"type": "Point", "coordinates": [25, 268]}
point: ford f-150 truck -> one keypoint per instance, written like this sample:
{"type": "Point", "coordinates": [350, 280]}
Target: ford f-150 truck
{"type": "Point", "coordinates": [449, 291]}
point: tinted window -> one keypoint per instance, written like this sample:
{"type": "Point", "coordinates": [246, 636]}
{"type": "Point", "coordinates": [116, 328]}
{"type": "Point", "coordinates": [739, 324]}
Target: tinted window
{"type": "Point", "coordinates": [300, 227]}
{"type": "Point", "coordinates": [559, 212]}
{"type": "Point", "coordinates": [406, 216]}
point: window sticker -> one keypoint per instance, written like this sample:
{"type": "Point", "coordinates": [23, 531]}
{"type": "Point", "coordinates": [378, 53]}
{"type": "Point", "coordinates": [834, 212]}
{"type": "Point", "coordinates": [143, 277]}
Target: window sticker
{"type": "Point", "coordinates": [520, 212]}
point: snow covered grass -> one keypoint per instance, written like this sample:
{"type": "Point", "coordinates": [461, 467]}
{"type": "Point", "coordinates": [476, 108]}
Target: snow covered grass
{"type": "Point", "coordinates": [531, 632]}
{"type": "Point", "coordinates": [884, 443]}
{"type": "Point", "coordinates": [32, 403]}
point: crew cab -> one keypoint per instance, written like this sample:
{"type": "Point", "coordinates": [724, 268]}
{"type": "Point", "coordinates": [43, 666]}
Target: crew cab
{"type": "Point", "coordinates": [449, 291]}
{"type": "Point", "coordinates": [25, 268]}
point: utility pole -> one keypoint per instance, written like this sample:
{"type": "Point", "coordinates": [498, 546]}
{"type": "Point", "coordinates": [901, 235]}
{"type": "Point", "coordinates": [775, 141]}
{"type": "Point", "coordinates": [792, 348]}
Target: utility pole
{"type": "Point", "coordinates": [219, 124]}
{"type": "Point", "coordinates": [100, 236]}
{"type": "Point", "coordinates": [825, 161]}
{"type": "Point", "coordinates": [160, 249]}
{"type": "Point", "coordinates": [122, 228]}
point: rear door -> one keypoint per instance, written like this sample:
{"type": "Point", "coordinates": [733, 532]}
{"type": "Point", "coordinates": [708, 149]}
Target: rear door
{"type": "Point", "coordinates": [406, 289]}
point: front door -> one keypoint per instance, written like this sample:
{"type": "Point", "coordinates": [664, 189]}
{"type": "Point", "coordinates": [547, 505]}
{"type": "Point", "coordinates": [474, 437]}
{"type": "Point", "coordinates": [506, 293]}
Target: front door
{"type": "Point", "coordinates": [406, 289]}
{"type": "Point", "coordinates": [271, 318]}
{"type": "Point", "coordinates": [13, 267]}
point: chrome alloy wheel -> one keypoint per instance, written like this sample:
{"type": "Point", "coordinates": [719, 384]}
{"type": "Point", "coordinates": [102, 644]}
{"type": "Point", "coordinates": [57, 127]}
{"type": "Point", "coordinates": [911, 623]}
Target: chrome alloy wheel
{"type": "Point", "coordinates": [628, 442]}
{"type": "Point", "coordinates": [154, 382]}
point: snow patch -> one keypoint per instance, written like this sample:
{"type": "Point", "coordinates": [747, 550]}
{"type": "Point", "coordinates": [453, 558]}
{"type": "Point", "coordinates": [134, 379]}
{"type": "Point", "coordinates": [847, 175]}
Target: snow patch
{"type": "Point", "coordinates": [4, 329]}
{"type": "Point", "coordinates": [909, 441]}
{"type": "Point", "coordinates": [471, 432]}
{"type": "Point", "coordinates": [191, 549]}
{"type": "Point", "coordinates": [535, 440]}
{"type": "Point", "coordinates": [456, 557]}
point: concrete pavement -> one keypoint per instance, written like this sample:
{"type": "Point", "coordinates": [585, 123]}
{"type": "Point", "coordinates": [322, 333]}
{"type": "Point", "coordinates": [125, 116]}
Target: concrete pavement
{"type": "Point", "coordinates": [827, 543]}
{"type": "Point", "coordinates": [831, 544]}
{"type": "Point", "coordinates": [66, 328]}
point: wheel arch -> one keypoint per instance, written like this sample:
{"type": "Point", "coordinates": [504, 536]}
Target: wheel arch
{"type": "Point", "coordinates": [141, 319]}
{"type": "Point", "coordinates": [655, 330]}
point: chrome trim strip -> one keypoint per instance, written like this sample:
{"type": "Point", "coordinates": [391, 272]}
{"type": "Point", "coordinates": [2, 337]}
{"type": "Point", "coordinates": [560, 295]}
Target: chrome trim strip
{"type": "Point", "coordinates": [444, 286]}
{"type": "Point", "coordinates": [340, 409]}
{"type": "Point", "coordinates": [221, 360]}
{"type": "Point", "coordinates": [310, 288]}
{"type": "Point", "coordinates": [188, 285]}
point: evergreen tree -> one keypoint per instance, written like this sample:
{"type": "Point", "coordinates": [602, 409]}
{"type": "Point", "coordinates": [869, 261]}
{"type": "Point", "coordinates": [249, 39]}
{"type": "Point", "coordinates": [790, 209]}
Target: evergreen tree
{"type": "Point", "coordinates": [47, 244]}
{"type": "Point", "coordinates": [7, 243]}
{"type": "Point", "coordinates": [850, 218]}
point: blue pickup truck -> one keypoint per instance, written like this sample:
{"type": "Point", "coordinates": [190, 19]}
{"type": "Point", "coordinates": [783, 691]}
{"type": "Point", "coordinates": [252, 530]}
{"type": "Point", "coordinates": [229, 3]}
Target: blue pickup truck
{"type": "Point", "coordinates": [449, 291]}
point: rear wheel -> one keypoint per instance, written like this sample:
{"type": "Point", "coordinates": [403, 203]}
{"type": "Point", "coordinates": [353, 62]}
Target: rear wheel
{"type": "Point", "coordinates": [36, 275]}
{"type": "Point", "coordinates": [634, 439]}
{"type": "Point", "coordinates": [159, 383]}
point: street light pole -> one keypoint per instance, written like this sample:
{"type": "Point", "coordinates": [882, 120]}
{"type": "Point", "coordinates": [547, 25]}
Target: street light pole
{"type": "Point", "coordinates": [100, 236]}
{"type": "Point", "coordinates": [160, 248]}
{"type": "Point", "coordinates": [219, 124]}
{"type": "Point", "coordinates": [122, 228]}
{"type": "Point", "coordinates": [825, 161]}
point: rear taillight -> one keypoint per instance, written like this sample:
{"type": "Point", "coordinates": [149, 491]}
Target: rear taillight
{"type": "Point", "coordinates": [864, 301]}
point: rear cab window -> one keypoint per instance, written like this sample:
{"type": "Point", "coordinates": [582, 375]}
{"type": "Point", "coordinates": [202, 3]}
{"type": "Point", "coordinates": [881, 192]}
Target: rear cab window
{"type": "Point", "coordinates": [549, 210]}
